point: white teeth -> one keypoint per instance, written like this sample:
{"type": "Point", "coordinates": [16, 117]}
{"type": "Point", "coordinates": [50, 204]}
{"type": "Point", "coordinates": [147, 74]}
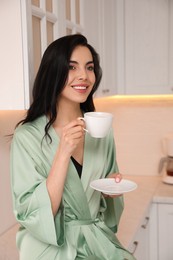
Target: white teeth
{"type": "Point", "coordinates": [79, 87]}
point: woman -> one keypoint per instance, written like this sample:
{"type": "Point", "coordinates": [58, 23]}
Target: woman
{"type": "Point", "coordinates": [53, 162]}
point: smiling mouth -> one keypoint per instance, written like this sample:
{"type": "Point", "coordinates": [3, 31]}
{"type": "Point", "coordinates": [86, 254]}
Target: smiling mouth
{"type": "Point", "coordinates": [80, 87]}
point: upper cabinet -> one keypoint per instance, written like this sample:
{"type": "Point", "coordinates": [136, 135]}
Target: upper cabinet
{"type": "Point", "coordinates": [11, 52]}
{"type": "Point", "coordinates": [134, 39]}
{"type": "Point", "coordinates": [148, 46]}
{"type": "Point", "coordinates": [27, 27]}
{"type": "Point", "coordinates": [99, 22]}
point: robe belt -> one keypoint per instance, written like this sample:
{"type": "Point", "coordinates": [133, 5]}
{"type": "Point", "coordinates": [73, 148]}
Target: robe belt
{"type": "Point", "coordinates": [79, 222]}
{"type": "Point", "coordinates": [99, 224]}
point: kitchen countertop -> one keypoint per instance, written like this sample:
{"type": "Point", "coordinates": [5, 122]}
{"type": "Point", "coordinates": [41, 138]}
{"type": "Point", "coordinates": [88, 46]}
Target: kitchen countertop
{"type": "Point", "coordinates": [164, 193]}
{"type": "Point", "coordinates": [137, 203]}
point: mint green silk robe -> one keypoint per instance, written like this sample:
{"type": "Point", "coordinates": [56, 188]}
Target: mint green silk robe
{"type": "Point", "coordinates": [85, 223]}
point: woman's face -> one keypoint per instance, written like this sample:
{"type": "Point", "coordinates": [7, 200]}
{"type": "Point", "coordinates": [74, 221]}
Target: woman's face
{"type": "Point", "coordinates": [81, 76]}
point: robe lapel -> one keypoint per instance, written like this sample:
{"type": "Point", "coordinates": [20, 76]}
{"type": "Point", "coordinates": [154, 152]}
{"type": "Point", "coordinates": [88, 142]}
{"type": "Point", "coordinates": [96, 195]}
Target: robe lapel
{"type": "Point", "coordinates": [94, 163]}
{"type": "Point", "coordinates": [77, 192]}
{"type": "Point", "coordinates": [74, 194]}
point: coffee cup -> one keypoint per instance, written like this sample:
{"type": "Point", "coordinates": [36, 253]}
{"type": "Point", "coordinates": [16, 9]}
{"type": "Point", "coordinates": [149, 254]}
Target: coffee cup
{"type": "Point", "coordinates": [97, 124]}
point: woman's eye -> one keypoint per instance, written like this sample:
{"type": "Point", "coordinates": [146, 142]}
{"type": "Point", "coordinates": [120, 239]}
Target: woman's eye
{"type": "Point", "coordinates": [71, 67]}
{"type": "Point", "coordinates": [91, 68]}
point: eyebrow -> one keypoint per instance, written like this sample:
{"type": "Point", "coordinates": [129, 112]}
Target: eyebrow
{"type": "Point", "coordinates": [89, 62]}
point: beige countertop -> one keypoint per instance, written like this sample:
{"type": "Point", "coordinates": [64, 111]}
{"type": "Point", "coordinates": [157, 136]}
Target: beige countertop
{"type": "Point", "coordinates": [150, 189]}
{"type": "Point", "coordinates": [164, 193]}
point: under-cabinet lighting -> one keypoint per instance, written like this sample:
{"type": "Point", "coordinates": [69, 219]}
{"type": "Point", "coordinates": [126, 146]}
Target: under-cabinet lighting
{"type": "Point", "coordinates": [138, 97]}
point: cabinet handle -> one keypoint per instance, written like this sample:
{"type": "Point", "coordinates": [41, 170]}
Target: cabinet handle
{"type": "Point", "coordinates": [105, 91]}
{"type": "Point", "coordinates": [146, 223]}
{"type": "Point", "coordinates": [135, 243]}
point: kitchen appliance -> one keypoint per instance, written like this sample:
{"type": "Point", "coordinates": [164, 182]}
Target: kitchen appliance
{"type": "Point", "coordinates": [166, 163]}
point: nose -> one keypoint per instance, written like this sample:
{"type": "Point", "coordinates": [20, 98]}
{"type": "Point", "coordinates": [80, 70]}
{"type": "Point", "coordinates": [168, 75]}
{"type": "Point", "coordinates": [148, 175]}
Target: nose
{"type": "Point", "coordinates": [82, 75]}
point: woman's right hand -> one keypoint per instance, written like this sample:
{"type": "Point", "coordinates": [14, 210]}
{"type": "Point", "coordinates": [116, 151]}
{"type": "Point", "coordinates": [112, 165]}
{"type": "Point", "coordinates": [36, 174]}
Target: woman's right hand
{"type": "Point", "coordinates": [71, 135]}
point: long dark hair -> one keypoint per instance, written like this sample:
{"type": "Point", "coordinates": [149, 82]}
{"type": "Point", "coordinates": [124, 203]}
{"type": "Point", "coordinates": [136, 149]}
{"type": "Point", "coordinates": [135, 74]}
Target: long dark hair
{"type": "Point", "coordinates": [52, 76]}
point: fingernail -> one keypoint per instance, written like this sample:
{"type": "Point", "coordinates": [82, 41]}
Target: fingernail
{"type": "Point", "coordinates": [117, 179]}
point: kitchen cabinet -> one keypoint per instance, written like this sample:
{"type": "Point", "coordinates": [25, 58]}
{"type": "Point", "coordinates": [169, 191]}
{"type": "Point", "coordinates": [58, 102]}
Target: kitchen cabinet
{"type": "Point", "coordinates": [140, 245]}
{"type": "Point", "coordinates": [165, 231]}
{"type": "Point", "coordinates": [145, 46]}
{"type": "Point", "coordinates": [27, 27]}
{"type": "Point", "coordinates": [157, 197]}
{"type": "Point", "coordinates": [135, 42]}
{"type": "Point", "coordinates": [161, 235]}
{"type": "Point", "coordinates": [12, 92]}
{"type": "Point", "coordinates": [34, 28]}
{"type": "Point", "coordinates": [99, 28]}
{"type": "Point", "coordinates": [153, 233]}
{"type": "Point", "coordinates": [134, 39]}
{"type": "Point", "coordinates": [153, 240]}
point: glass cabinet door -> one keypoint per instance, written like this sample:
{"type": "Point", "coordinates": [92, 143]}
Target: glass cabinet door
{"type": "Point", "coordinates": [43, 22]}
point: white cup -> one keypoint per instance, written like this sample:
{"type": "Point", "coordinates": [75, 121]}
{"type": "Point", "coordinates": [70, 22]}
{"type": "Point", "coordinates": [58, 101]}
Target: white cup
{"type": "Point", "coordinates": [98, 124]}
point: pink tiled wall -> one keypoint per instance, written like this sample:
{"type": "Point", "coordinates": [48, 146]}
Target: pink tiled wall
{"type": "Point", "coordinates": [139, 126]}
{"type": "Point", "coordinates": [8, 120]}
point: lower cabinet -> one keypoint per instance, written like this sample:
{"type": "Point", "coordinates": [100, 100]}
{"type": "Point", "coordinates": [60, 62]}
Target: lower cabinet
{"type": "Point", "coordinates": [161, 232]}
{"type": "Point", "coordinates": [154, 239]}
{"type": "Point", "coordinates": [165, 229]}
{"type": "Point", "coordinates": [140, 245]}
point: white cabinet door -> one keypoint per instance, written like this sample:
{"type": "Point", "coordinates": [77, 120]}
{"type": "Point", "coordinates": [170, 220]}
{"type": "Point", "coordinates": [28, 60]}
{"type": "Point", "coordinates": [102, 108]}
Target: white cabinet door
{"type": "Point", "coordinates": [11, 61]}
{"type": "Point", "coordinates": [153, 233]}
{"type": "Point", "coordinates": [140, 245]}
{"type": "Point", "coordinates": [108, 48]}
{"type": "Point", "coordinates": [99, 28]}
{"type": "Point", "coordinates": [148, 46]}
{"type": "Point", "coordinates": [165, 231]}
{"type": "Point", "coordinates": [27, 27]}
{"type": "Point", "coordinates": [134, 39]}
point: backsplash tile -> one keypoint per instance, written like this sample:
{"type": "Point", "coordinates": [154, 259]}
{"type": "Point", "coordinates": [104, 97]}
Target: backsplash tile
{"type": "Point", "coordinates": [8, 120]}
{"type": "Point", "coordinates": [139, 126]}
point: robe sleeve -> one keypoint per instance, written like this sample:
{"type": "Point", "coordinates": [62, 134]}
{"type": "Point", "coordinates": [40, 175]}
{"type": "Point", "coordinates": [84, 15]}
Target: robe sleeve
{"type": "Point", "coordinates": [114, 206]}
{"type": "Point", "coordinates": [31, 202]}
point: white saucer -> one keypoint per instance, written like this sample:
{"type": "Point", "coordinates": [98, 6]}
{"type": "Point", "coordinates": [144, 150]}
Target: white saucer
{"type": "Point", "coordinates": [109, 186]}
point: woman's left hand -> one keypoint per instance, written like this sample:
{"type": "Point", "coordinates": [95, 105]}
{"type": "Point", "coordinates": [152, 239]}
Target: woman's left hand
{"type": "Point", "coordinates": [118, 177]}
